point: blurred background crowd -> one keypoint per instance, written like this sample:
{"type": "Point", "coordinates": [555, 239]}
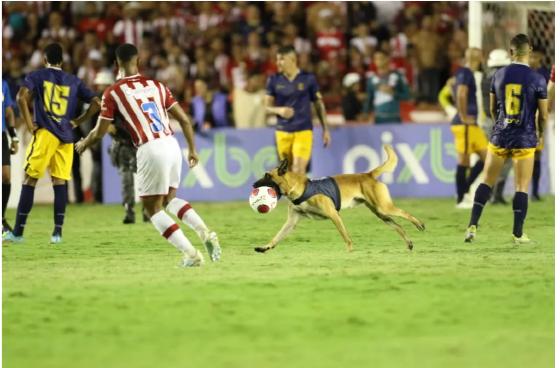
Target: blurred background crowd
{"type": "Point", "coordinates": [222, 52]}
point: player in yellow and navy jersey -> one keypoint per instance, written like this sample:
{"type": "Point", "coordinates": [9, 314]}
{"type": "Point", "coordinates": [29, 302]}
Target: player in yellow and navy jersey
{"type": "Point", "coordinates": [55, 96]}
{"type": "Point", "coordinates": [516, 93]}
{"type": "Point", "coordinates": [289, 94]}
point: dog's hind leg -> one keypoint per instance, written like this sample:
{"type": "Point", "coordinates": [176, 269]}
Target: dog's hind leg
{"type": "Point", "coordinates": [392, 210]}
{"type": "Point", "coordinates": [287, 228]}
{"type": "Point", "coordinates": [389, 221]}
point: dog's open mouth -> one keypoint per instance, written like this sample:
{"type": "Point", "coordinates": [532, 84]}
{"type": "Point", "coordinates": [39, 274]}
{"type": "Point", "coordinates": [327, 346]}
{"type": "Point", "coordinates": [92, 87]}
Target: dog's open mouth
{"type": "Point", "coordinates": [267, 181]}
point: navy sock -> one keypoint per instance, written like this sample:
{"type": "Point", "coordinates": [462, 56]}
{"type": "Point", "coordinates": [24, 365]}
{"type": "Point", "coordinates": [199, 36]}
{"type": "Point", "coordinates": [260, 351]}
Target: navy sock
{"type": "Point", "coordinates": [461, 182]}
{"type": "Point", "coordinates": [520, 204]}
{"type": "Point", "coordinates": [6, 188]}
{"type": "Point", "coordinates": [24, 207]}
{"type": "Point", "coordinates": [60, 200]}
{"type": "Point", "coordinates": [475, 172]}
{"type": "Point", "coordinates": [536, 177]}
{"type": "Point", "coordinates": [481, 196]}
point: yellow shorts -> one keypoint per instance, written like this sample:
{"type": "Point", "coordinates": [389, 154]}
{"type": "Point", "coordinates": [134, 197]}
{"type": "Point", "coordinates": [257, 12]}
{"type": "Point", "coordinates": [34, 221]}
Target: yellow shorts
{"type": "Point", "coordinates": [47, 151]}
{"type": "Point", "coordinates": [294, 144]}
{"type": "Point", "coordinates": [515, 153]}
{"type": "Point", "coordinates": [469, 138]}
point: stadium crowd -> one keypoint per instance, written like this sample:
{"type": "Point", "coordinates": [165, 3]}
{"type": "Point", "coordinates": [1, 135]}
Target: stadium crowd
{"type": "Point", "coordinates": [221, 53]}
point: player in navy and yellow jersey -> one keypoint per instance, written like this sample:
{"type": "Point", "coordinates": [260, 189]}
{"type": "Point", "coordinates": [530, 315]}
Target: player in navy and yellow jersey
{"type": "Point", "coordinates": [516, 93]}
{"type": "Point", "coordinates": [55, 96]}
{"type": "Point", "coordinates": [289, 94]}
{"type": "Point", "coordinates": [469, 137]}
{"type": "Point", "coordinates": [7, 149]}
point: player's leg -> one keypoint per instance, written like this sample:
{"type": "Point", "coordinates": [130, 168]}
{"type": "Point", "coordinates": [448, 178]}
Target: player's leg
{"type": "Point", "coordinates": [479, 144]}
{"type": "Point", "coordinates": [523, 169]}
{"type": "Point", "coordinates": [127, 168]}
{"type": "Point", "coordinates": [37, 158]}
{"type": "Point", "coordinates": [6, 180]}
{"type": "Point", "coordinates": [167, 228]}
{"type": "Point", "coordinates": [536, 176]}
{"type": "Point", "coordinates": [492, 167]}
{"type": "Point", "coordinates": [460, 133]}
{"type": "Point", "coordinates": [301, 151]}
{"type": "Point", "coordinates": [155, 161]}
{"type": "Point", "coordinates": [61, 172]}
{"type": "Point", "coordinates": [284, 143]}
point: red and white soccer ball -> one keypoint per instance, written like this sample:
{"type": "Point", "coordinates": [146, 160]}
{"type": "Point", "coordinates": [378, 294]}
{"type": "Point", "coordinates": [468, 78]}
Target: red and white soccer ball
{"type": "Point", "coordinates": [263, 199]}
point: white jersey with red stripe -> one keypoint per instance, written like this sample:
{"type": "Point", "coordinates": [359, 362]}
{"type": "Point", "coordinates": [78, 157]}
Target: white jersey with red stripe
{"type": "Point", "coordinates": [143, 103]}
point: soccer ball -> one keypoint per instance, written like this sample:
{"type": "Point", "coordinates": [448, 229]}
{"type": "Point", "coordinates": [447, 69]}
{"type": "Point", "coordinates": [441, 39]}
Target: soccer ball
{"type": "Point", "coordinates": [263, 199]}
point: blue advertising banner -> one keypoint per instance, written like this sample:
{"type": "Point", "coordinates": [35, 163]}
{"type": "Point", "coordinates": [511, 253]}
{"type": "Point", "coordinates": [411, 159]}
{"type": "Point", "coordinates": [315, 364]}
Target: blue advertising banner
{"type": "Point", "coordinates": [231, 160]}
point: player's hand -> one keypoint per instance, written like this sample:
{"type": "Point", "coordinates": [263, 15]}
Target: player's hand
{"type": "Point", "coordinates": [286, 112]}
{"type": "Point", "coordinates": [74, 123]}
{"type": "Point", "coordinates": [14, 146]}
{"type": "Point", "coordinates": [193, 159]}
{"type": "Point", "coordinates": [32, 128]}
{"type": "Point", "coordinates": [470, 120]}
{"type": "Point", "coordinates": [80, 147]}
{"type": "Point", "coordinates": [326, 138]}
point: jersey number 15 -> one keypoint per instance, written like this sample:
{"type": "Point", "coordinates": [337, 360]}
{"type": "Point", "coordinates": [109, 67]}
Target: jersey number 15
{"type": "Point", "coordinates": [55, 99]}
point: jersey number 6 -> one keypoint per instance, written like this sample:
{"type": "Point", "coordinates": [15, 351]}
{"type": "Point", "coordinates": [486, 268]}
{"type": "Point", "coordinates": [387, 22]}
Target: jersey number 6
{"type": "Point", "coordinates": [513, 101]}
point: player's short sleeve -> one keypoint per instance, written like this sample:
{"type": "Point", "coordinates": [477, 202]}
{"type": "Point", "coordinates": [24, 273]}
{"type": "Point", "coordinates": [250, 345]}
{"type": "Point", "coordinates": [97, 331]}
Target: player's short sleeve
{"type": "Point", "coordinates": [84, 93]}
{"type": "Point", "coordinates": [6, 95]}
{"type": "Point", "coordinates": [462, 77]}
{"type": "Point", "coordinates": [169, 99]}
{"type": "Point", "coordinates": [29, 81]}
{"type": "Point", "coordinates": [540, 87]}
{"type": "Point", "coordinates": [313, 88]}
{"type": "Point", "coordinates": [270, 86]}
{"type": "Point", "coordinates": [108, 105]}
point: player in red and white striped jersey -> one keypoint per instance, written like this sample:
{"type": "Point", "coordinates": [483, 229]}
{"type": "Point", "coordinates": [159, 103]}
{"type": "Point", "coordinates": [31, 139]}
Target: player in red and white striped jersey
{"type": "Point", "coordinates": [145, 105]}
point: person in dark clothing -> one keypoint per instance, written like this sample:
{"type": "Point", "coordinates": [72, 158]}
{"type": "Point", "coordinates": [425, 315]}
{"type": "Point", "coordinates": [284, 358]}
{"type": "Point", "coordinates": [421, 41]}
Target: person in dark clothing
{"type": "Point", "coordinates": [351, 103]}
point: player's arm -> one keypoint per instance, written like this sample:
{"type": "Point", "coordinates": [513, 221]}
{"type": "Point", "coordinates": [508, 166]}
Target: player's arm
{"type": "Point", "coordinates": [94, 136]}
{"type": "Point", "coordinates": [550, 93]}
{"type": "Point", "coordinates": [186, 125]}
{"type": "Point", "coordinates": [542, 115]}
{"type": "Point", "coordinates": [14, 140]}
{"type": "Point", "coordinates": [22, 98]}
{"type": "Point", "coordinates": [322, 114]}
{"type": "Point", "coordinates": [492, 107]}
{"type": "Point", "coordinates": [285, 112]}
{"type": "Point", "coordinates": [94, 107]}
{"type": "Point", "coordinates": [462, 100]}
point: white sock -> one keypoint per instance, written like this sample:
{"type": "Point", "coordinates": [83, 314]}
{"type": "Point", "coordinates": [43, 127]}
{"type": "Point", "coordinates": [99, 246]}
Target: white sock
{"type": "Point", "coordinates": [183, 210]}
{"type": "Point", "coordinates": [171, 231]}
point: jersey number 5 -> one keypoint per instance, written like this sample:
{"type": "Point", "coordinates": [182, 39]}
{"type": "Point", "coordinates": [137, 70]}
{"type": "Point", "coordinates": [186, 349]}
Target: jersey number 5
{"type": "Point", "coordinates": [151, 109]}
{"type": "Point", "coordinates": [513, 99]}
{"type": "Point", "coordinates": [55, 99]}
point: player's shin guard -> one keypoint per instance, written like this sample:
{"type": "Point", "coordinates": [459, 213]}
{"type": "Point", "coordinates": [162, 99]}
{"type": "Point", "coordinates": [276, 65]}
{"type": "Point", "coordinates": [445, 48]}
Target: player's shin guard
{"type": "Point", "coordinates": [24, 207]}
{"type": "Point", "coordinates": [184, 211]}
{"type": "Point", "coordinates": [536, 178]}
{"type": "Point", "coordinates": [6, 188]}
{"type": "Point", "coordinates": [461, 182]}
{"type": "Point", "coordinates": [475, 172]}
{"type": "Point", "coordinates": [171, 231]}
{"type": "Point", "coordinates": [520, 204]}
{"type": "Point", "coordinates": [60, 200]}
{"type": "Point", "coordinates": [481, 196]}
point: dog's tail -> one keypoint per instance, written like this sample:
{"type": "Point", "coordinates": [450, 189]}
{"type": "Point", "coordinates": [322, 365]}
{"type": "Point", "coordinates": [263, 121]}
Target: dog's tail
{"type": "Point", "coordinates": [389, 165]}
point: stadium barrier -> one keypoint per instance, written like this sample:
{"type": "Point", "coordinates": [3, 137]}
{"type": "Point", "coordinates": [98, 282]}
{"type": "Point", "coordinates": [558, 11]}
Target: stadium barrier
{"type": "Point", "coordinates": [231, 160]}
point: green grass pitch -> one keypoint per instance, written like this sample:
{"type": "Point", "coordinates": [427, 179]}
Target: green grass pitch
{"type": "Point", "coordinates": [112, 295]}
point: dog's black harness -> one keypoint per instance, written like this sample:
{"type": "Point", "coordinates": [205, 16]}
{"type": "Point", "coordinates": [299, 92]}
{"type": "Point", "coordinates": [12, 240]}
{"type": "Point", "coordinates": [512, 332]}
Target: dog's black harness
{"type": "Point", "coordinates": [326, 186]}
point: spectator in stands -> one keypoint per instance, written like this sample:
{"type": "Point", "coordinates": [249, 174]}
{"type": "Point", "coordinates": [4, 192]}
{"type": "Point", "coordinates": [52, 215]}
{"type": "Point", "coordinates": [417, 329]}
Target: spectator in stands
{"type": "Point", "coordinates": [248, 103]}
{"type": "Point", "coordinates": [363, 41]}
{"type": "Point", "coordinates": [385, 90]}
{"type": "Point", "coordinates": [209, 109]}
{"type": "Point", "coordinates": [351, 101]}
{"type": "Point", "coordinates": [92, 66]}
{"type": "Point", "coordinates": [429, 47]}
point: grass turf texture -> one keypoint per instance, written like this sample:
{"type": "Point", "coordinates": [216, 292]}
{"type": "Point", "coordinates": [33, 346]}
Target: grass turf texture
{"type": "Point", "coordinates": [112, 296]}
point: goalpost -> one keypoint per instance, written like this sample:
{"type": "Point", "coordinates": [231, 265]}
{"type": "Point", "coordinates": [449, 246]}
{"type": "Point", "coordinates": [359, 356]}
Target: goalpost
{"type": "Point", "coordinates": [492, 24]}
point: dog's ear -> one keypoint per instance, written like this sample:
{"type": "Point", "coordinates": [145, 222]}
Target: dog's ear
{"type": "Point", "coordinates": [283, 168]}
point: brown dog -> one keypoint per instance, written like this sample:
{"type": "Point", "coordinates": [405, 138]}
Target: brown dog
{"type": "Point", "coordinates": [348, 191]}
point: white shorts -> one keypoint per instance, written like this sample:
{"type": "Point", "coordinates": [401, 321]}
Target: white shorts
{"type": "Point", "coordinates": [159, 166]}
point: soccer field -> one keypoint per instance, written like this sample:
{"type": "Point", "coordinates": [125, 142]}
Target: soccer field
{"type": "Point", "coordinates": [112, 295]}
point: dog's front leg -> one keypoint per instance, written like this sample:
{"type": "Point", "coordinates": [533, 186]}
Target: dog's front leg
{"type": "Point", "coordinates": [288, 227]}
{"type": "Point", "coordinates": [337, 220]}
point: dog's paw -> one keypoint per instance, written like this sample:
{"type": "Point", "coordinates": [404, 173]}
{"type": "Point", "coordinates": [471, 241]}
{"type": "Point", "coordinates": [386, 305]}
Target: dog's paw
{"type": "Point", "coordinates": [261, 249]}
{"type": "Point", "coordinates": [421, 226]}
{"type": "Point", "coordinates": [410, 245]}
